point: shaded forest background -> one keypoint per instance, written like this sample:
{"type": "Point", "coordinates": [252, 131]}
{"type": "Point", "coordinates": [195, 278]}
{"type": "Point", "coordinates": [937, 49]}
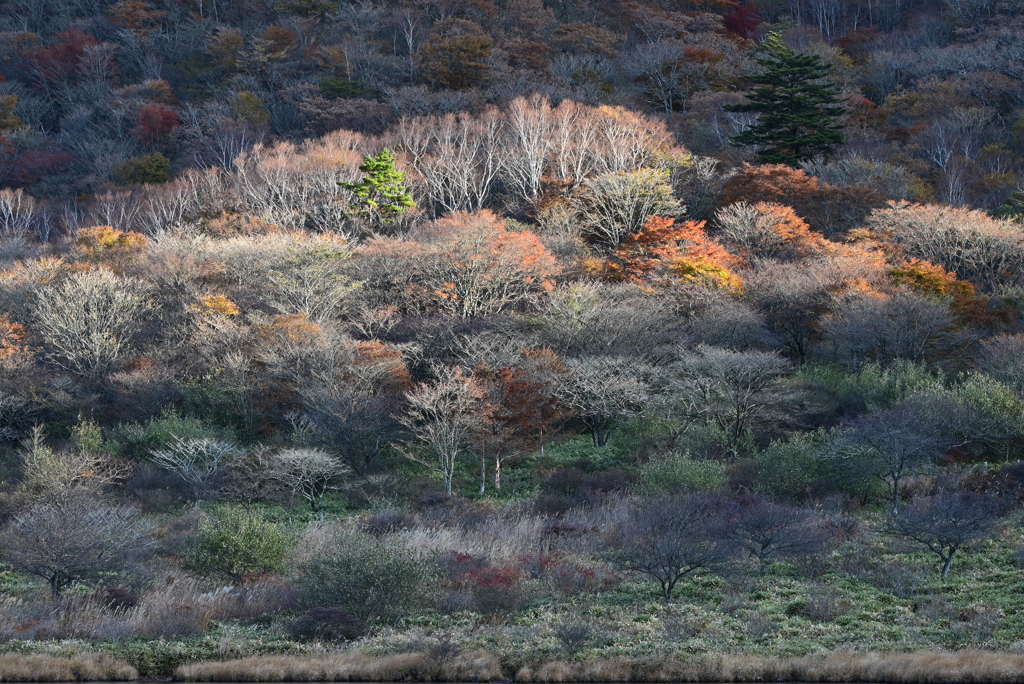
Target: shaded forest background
{"type": "Point", "coordinates": [92, 91]}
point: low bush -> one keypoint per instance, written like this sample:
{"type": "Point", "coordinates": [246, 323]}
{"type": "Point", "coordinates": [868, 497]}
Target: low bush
{"type": "Point", "coordinates": [138, 440]}
{"type": "Point", "coordinates": [327, 624]}
{"type": "Point", "coordinates": [574, 636]}
{"type": "Point", "coordinates": [498, 590]}
{"type": "Point", "coordinates": [679, 472]}
{"type": "Point", "coordinates": [378, 581]}
{"type": "Point", "coordinates": [238, 544]}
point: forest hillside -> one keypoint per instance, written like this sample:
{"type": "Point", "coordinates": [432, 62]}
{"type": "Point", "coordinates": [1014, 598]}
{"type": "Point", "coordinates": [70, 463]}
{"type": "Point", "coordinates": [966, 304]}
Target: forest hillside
{"type": "Point", "coordinates": [555, 341]}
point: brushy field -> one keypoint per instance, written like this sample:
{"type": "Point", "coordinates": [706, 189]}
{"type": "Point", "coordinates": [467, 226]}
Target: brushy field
{"type": "Point", "coordinates": [874, 611]}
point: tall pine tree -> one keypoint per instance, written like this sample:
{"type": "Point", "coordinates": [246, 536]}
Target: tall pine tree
{"type": "Point", "coordinates": [799, 106]}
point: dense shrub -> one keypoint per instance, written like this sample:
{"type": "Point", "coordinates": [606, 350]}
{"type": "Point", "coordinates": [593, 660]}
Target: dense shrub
{"type": "Point", "coordinates": [679, 472]}
{"type": "Point", "coordinates": [238, 544]}
{"type": "Point", "coordinates": [378, 581]}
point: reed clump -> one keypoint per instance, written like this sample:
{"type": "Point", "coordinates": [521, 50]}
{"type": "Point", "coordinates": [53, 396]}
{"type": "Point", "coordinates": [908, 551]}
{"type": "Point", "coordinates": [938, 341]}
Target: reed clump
{"type": "Point", "coordinates": [19, 667]}
{"type": "Point", "coordinates": [472, 666]}
{"type": "Point", "coordinates": [925, 667]}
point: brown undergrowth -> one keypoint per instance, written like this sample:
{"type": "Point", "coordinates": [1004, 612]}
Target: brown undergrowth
{"type": "Point", "coordinates": [842, 666]}
{"type": "Point", "coordinates": [17, 667]}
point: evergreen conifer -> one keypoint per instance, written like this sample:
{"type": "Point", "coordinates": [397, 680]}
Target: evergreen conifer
{"type": "Point", "coordinates": [382, 190]}
{"type": "Point", "coordinates": [799, 107]}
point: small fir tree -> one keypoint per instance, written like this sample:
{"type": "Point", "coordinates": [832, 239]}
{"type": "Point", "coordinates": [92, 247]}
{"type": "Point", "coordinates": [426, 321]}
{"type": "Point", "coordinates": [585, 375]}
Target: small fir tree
{"type": "Point", "coordinates": [799, 107]}
{"type": "Point", "coordinates": [381, 192]}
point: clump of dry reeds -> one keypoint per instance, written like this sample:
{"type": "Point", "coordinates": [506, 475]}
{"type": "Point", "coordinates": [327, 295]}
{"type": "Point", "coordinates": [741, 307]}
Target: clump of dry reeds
{"type": "Point", "coordinates": [18, 667]}
{"type": "Point", "coordinates": [953, 667]}
{"type": "Point", "coordinates": [464, 667]}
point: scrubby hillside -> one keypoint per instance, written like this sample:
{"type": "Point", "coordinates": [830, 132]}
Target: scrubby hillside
{"type": "Point", "coordinates": [395, 342]}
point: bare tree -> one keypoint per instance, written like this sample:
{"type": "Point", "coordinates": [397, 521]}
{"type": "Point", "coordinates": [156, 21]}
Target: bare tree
{"type": "Point", "coordinates": [311, 281]}
{"type": "Point", "coordinates": [443, 415]}
{"type": "Point", "coordinates": [17, 214]}
{"type": "Point", "coordinates": [947, 522]}
{"type": "Point", "coordinates": [355, 419]}
{"type": "Point", "coordinates": [87, 322]}
{"type": "Point", "coordinates": [617, 204]}
{"type": "Point", "coordinates": [735, 390]}
{"type": "Point", "coordinates": [905, 326]}
{"type": "Point", "coordinates": [1002, 358]}
{"type": "Point", "coordinates": [459, 157]}
{"type": "Point", "coordinates": [584, 319]}
{"type": "Point", "coordinates": [75, 540]}
{"type": "Point", "coordinates": [528, 132]}
{"type": "Point", "coordinates": [671, 539]}
{"type": "Point", "coordinates": [309, 472]}
{"type": "Point", "coordinates": [971, 244]}
{"type": "Point", "coordinates": [793, 297]}
{"type": "Point", "coordinates": [697, 182]}
{"type": "Point", "coordinates": [59, 475]}
{"type": "Point", "coordinates": [890, 445]}
{"type": "Point", "coordinates": [602, 391]}
{"type": "Point", "coordinates": [854, 170]}
{"type": "Point", "coordinates": [767, 531]}
{"type": "Point", "coordinates": [199, 462]}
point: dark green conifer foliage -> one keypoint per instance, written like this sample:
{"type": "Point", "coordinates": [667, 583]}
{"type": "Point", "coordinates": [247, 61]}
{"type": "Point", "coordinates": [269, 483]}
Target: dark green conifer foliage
{"type": "Point", "coordinates": [382, 192]}
{"type": "Point", "coordinates": [799, 107]}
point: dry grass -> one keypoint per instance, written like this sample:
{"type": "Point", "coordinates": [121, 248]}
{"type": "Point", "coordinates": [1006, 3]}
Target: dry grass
{"type": "Point", "coordinates": [178, 606]}
{"type": "Point", "coordinates": [476, 666]}
{"type": "Point", "coordinates": [16, 667]}
{"type": "Point", "coordinates": [500, 539]}
{"type": "Point", "coordinates": [842, 666]}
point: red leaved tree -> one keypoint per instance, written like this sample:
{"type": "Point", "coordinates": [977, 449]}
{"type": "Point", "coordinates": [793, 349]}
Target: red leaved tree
{"type": "Point", "coordinates": [156, 123]}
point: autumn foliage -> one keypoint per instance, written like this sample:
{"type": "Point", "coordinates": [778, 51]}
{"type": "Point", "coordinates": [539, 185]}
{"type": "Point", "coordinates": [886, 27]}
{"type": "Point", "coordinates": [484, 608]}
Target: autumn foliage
{"type": "Point", "coordinates": [663, 249]}
{"type": "Point", "coordinates": [156, 123]}
{"type": "Point", "coordinates": [825, 207]}
{"type": "Point", "coordinates": [110, 246]}
{"type": "Point", "coordinates": [467, 264]}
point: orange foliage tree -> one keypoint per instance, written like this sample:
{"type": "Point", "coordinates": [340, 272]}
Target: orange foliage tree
{"type": "Point", "coordinates": [769, 230]}
{"type": "Point", "coordinates": [522, 408]}
{"type": "Point", "coordinates": [135, 14]}
{"type": "Point", "coordinates": [662, 249]}
{"type": "Point", "coordinates": [933, 280]}
{"type": "Point", "coordinates": [14, 350]}
{"type": "Point", "coordinates": [107, 245]}
{"type": "Point", "coordinates": [156, 123]}
{"type": "Point", "coordinates": [478, 267]}
{"type": "Point", "coordinates": [825, 207]}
